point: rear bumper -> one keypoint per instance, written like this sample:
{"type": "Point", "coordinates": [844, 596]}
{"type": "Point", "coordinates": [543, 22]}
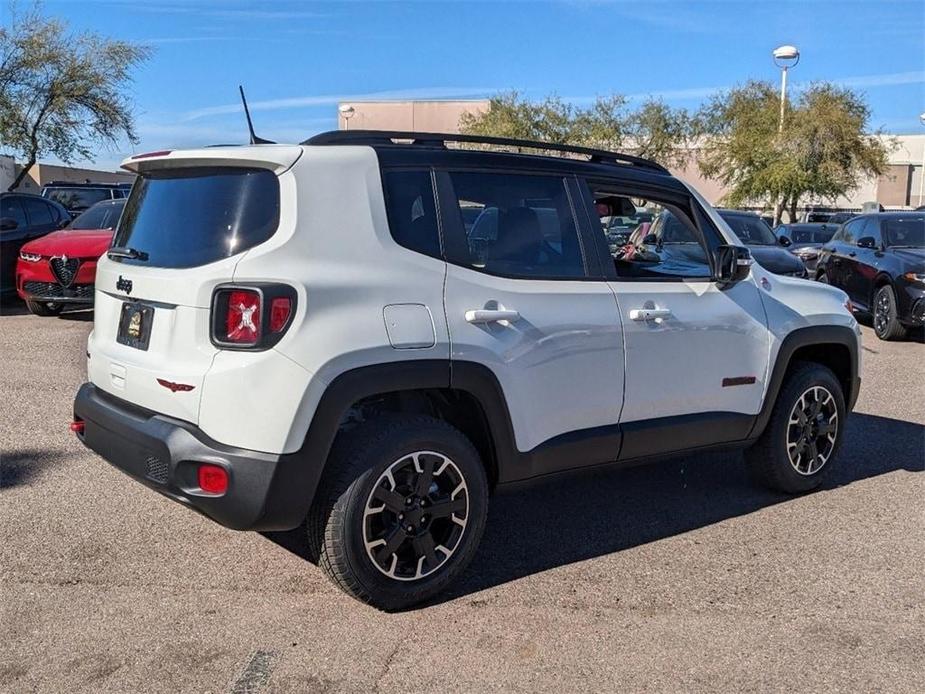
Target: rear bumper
{"type": "Point", "coordinates": [264, 490]}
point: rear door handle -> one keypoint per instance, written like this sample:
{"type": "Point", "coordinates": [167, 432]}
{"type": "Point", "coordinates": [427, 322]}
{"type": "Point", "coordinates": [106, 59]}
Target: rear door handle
{"type": "Point", "coordinates": [485, 315]}
{"type": "Point", "coordinates": [852, 254]}
{"type": "Point", "coordinates": [649, 313]}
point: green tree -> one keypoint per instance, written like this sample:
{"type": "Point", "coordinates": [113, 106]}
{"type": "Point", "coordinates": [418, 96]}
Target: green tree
{"type": "Point", "coordinates": [62, 93]}
{"type": "Point", "coordinates": [822, 151]}
{"type": "Point", "coordinates": [654, 130]}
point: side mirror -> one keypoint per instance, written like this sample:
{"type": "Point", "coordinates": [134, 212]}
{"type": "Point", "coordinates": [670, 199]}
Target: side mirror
{"type": "Point", "coordinates": [784, 240]}
{"type": "Point", "coordinates": [650, 240]}
{"type": "Point", "coordinates": [8, 224]}
{"type": "Point", "coordinates": [867, 242]}
{"type": "Point", "coordinates": [733, 263]}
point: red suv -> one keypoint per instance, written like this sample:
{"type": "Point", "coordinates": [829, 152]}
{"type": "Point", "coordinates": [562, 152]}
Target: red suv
{"type": "Point", "coordinates": [60, 268]}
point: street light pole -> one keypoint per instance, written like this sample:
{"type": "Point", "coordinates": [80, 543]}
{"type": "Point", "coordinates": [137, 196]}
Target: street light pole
{"type": "Point", "coordinates": [922, 170]}
{"type": "Point", "coordinates": [785, 57]}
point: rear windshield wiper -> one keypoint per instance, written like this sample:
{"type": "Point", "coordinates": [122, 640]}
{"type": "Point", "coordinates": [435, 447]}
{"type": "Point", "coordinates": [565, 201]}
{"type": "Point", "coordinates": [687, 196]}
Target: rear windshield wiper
{"type": "Point", "coordinates": [126, 252]}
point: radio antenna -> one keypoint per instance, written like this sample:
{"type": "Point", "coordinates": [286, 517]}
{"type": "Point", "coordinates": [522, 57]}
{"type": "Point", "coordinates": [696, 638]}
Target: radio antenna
{"type": "Point", "coordinates": [250, 125]}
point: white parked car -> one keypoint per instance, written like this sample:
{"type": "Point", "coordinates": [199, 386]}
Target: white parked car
{"type": "Point", "coordinates": [369, 333]}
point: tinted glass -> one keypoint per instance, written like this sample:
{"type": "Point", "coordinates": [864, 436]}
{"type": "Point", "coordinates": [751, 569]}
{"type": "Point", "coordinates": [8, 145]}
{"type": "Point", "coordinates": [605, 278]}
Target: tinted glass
{"type": "Point", "coordinates": [191, 217]}
{"type": "Point", "coordinates": [849, 232]}
{"type": "Point", "coordinates": [412, 212]}
{"type": "Point", "coordinates": [808, 234]}
{"type": "Point", "coordinates": [668, 247]}
{"type": "Point", "coordinates": [104, 215]}
{"type": "Point", "coordinates": [871, 229]}
{"type": "Point", "coordinates": [518, 225]}
{"type": "Point", "coordinates": [10, 207]}
{"type": "Point", "coordinates": [77, 198]}
{"type": "Point", "coordinates": [751, 230]}
{"type": "Point", "coordinates": [909, 231]}
{"type": "Point", "coordinates": [40, 214]}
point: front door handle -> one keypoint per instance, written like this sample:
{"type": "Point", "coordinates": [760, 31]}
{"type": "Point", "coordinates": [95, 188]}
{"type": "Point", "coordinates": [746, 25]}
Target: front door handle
{"type": "Point", "coordinates": [852, 254]}
{"type": "Point", "coordinates": [646, 314]}
{"type": "Point", "coordinates": [486, 315]}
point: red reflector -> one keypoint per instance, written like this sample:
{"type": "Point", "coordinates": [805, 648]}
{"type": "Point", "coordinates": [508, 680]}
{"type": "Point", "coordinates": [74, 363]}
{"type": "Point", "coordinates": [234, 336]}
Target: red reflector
{"type": "Point", "coordinates": [77, 426]}
{"type": "Point", "coordinates": [242, 322]}
{"type": "Point", "coordinates": [280, 308]}
{"type": "Point", "coordinates": [146, 155]}
{"type": "Point", "coordinates": [213, 479]}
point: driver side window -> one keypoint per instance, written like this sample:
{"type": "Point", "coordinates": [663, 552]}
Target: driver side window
{"type": "Point", "coordinates": [656, 239]}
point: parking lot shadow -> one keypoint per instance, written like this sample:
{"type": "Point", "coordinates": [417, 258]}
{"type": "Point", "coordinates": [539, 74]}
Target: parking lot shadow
{"type": "Point", "coordinates": [570, 518]}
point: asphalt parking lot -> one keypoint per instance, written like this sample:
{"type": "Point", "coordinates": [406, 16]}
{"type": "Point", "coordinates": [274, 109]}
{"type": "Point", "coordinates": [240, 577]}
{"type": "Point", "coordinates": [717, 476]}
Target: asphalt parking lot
{"type": "Point", "coordinates": [680, 577]}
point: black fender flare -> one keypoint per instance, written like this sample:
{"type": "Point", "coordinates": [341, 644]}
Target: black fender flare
{"type": "Point", "coordinates": [814, 335]}
{"type": "Point", "coordinates": [298, 476]}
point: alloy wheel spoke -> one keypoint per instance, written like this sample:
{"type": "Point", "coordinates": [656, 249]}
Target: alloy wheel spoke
{"type": "Point", "coordinates": [424, 547]}
{"type": "Point", "coordinates": [390, 499]}
{"type": "Point", "coordinates": [447, 507]}
{"type": "Point", "coordinates": [425, 476]}
{"type": "Point", "coordinates": [393, 541]}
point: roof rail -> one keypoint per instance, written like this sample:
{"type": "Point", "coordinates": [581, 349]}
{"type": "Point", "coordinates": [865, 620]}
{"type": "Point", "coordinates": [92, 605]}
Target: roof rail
{"type": "Point", "coordinates": [381, 137]}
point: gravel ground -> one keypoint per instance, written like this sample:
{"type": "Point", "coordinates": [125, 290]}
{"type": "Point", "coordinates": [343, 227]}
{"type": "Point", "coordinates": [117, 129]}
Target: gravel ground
{"type": "Point", "coordinates": [676, 577]}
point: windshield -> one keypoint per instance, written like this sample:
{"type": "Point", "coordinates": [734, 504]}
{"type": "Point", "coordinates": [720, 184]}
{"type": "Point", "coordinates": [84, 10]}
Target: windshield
{"type": "Point", "coordinates": [752, 231]}
{"type": "Point", "coordinates": [77, 198]}
{"type": "Point", "coordinates": [189, 217]}
{"type": "Point", "coordinates": [904, 232]}
{"type": "Point", "coordinates": [103, 215]}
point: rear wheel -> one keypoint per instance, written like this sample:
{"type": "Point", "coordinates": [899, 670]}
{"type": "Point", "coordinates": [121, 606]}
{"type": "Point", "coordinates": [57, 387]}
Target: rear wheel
{"type": "Point", "coordinates": [40, 308]}
{"type": "Point", "coordinates": [796, 449]}
{"type": "Point", "coordinates": [401, 511]}
{"type": "Point", "coordinates": [886, 315]}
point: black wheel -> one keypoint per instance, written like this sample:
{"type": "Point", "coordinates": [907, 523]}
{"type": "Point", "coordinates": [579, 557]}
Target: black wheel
{"type": "Point", "coordinates": [796, 449]}
{"type": "Point", "coordinates": [40, 308]}
{"type": "Point", "coordinates": [886, 317]}
{"type": "Point", "coordinates": [401, 510]}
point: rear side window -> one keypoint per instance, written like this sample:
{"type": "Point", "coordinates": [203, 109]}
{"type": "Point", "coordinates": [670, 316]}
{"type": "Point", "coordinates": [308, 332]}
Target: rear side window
{"type": "Point", "coordinates": [409, 198]}
{"type": "Point", "coordinates": [517, 226]}
{"type": "Point", "coordinates": [40, 213]}
{"type": "Point", "coordinates": [12, 209]}
{"type": "Point", "coordinates": [190, 217]}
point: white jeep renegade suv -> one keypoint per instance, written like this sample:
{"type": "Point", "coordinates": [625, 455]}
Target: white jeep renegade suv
{"type": "Point", "coordinates": [366, 334]}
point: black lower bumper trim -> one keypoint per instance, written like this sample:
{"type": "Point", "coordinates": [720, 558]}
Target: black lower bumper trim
{"type": "Point", "coordinates": [164, 454]}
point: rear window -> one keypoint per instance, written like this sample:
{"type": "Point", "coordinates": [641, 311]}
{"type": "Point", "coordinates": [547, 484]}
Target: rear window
{"type": "Point", "coordinates": [77, 198]}
{"type": "Point", "coordinates": [101, 216]}
{"type": "Point", "coordinates": [190, 217]}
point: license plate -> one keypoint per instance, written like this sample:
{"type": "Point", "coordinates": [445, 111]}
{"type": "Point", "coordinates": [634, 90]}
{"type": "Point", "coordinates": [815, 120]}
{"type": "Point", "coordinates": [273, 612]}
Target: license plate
{"type": "Point", "coordinates": [135, 325]}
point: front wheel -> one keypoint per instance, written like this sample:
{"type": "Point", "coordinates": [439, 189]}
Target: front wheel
{"type": "Point", "coordinates": [795, 451]}
{"type": "Point", "coordinates": [401, 510]}
{"type": "Point", "coordinates": [39, 308]}
{"type": "Point", "coordinates": [886, 315]}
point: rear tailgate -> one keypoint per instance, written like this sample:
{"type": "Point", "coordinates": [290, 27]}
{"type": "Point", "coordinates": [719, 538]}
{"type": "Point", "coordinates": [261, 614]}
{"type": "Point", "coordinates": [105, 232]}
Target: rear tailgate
{"type": "Point", "coordinates": [190, 218]}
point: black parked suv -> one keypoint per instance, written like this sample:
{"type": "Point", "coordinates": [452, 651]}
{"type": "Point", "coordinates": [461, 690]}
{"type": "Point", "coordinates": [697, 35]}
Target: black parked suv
{"type": "Point", "coordinates": [79, 197]}
{"type": "Point", "coordinates": [24, 217]}
{"type": "Point", "coordinates": [879, 260]}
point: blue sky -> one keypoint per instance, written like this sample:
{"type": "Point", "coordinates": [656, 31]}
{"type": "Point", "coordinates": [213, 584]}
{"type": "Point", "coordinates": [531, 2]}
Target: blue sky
{"type": "Point", "coordinates": [297, 59]}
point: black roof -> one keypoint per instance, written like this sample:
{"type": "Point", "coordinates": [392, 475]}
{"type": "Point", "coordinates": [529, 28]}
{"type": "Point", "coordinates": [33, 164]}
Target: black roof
{"type": "Point", "coordinates": [430, 142]}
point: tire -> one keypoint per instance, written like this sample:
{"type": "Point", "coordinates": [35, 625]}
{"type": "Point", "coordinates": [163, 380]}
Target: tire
{"type": "Point", "coordinates": [39, 308]}
{"type": "Point", "coordinates": [886, 315]}
{"type": "Point", "coordinates": [357, 512]}
{"type": "Point", "coordinates": [770, 460]}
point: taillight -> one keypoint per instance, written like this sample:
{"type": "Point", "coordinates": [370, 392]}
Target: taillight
{"type": "Point", "coordinates": [242, 318]}
{"type": "Point", "coordinates": [252, 317]}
